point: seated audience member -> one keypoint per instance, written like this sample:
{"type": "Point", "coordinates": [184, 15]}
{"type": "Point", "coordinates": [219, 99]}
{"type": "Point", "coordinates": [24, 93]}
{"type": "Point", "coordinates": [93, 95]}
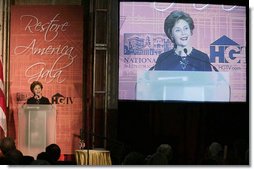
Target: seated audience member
{"type": "Point", "coordinates": [215, 155]}
{"type": "Point", "coordinates": [216, 152]}
{"type": "Point", "coordinates": [158, 159]}
{"type": "Point", "coordinates": [43, 156]}
{"type": "Point", "coordinates": [134, 158]}
{"type": "Point", "coordinates": [4, 161]}
{"type": "Point", "coordinates": [54, 153]}
{"type": "Point", "coordinates": [7, 144]}
{"type": "Point", "coordinates": [40, 162]}
{"type": "Point", "coordinates": [167, 151]}
{"type": "Point", "coordinates": [15, 157]}
{"type": "Point", "coordinates": [27, 160]}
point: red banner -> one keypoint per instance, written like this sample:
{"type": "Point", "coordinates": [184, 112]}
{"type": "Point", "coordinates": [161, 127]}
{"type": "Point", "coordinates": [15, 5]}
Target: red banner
{"type": "Point", "coordinates": [47, 45]}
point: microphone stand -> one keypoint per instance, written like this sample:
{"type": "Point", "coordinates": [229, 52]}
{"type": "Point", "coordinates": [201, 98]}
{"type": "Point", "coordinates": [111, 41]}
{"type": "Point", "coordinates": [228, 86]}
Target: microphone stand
{"type": "Point", "coordinates": [88, 133]}
{"type": "Point", "coordinates": [83, 145]}
{"type": "Point", "coordinates": [87, 148]}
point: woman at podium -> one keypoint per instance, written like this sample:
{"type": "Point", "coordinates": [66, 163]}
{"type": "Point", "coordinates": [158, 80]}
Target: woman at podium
{"type": "Point", "coordinates": [36, 88]}
{"type": "Point", "coordinates": [178, 27]}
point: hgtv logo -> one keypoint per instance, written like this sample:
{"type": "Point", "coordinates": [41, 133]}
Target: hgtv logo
{"type": "Point", "coordinates": [225, 50]}
{"type": "Point", "coordinates": [60, 99]}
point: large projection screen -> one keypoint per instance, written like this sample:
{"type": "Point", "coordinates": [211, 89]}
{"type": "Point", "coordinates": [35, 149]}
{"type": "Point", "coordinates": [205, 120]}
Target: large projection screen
{"type": "Point", "coordinates": [219, 31]}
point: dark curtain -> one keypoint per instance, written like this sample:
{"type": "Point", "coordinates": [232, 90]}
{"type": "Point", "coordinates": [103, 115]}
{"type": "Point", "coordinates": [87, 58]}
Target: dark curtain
{"type": "Point", "coordinates": [188, 127]}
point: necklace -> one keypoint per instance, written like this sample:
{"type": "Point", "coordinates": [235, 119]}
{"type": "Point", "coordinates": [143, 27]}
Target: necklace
{"type": "Point", "coordinates": [183, 60]}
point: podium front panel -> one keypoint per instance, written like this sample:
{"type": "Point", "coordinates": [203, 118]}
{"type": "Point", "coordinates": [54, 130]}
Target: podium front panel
{"type": "Point", "coordinates": [37, 128]}
{"type": "Point", "coordinates": [183, 86]}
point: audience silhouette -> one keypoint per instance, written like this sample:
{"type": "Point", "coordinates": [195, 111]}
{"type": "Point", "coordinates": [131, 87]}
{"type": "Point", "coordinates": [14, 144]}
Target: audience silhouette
{"type": "Point", "coordinates": [167, 150]}
{"type": "Point", "coordinates": [214, 155]}
{"type": "Point", "coordinates": [134, 158]}
{"type": "Point", "coordinates": [10, 155]}
{"type": "Point", "coordinates": [15, 157]}
{"type": "Point", "coordinates": [7, 144]}
{"type": "Point", "coordinates": [54, 152]}
{"type": "Point", "coordinates": [236, 153]}
{"type": "Point", "coordinates": [158, 159]}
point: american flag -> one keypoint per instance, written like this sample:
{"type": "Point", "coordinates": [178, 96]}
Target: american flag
{"type": "Point", "coordinates": [3, 120]}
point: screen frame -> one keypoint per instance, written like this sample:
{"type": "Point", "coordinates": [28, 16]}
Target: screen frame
{"type": "Point", "coordinates": [244, 3]}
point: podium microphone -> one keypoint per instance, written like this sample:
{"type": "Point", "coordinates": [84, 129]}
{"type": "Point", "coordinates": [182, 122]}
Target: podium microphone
{"type": "Point", "coordinates": [152, 68]}
{"type": "Point", "coordinates": [214, 68]}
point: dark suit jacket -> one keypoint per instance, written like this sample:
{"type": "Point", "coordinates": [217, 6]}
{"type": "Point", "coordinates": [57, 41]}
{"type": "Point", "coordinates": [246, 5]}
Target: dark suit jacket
{"type": "Point", "coordinates": [195, 61]}
{"type": "Point", "coordinates": [42, 100]}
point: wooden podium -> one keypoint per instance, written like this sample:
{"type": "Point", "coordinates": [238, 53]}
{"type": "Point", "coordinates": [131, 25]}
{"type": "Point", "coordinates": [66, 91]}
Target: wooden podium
{"type": "Point", "coordinates": [37, 128]}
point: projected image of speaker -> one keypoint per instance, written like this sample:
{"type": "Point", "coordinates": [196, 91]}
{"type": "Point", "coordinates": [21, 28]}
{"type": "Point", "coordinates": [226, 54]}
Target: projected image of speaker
{"type": "Point", "coordinates": [183, 46]}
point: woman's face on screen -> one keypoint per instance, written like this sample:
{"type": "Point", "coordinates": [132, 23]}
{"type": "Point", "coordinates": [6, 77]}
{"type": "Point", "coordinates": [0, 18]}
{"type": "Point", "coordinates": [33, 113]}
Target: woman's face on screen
{"type": "Point", "coordinates": [181, 33]}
